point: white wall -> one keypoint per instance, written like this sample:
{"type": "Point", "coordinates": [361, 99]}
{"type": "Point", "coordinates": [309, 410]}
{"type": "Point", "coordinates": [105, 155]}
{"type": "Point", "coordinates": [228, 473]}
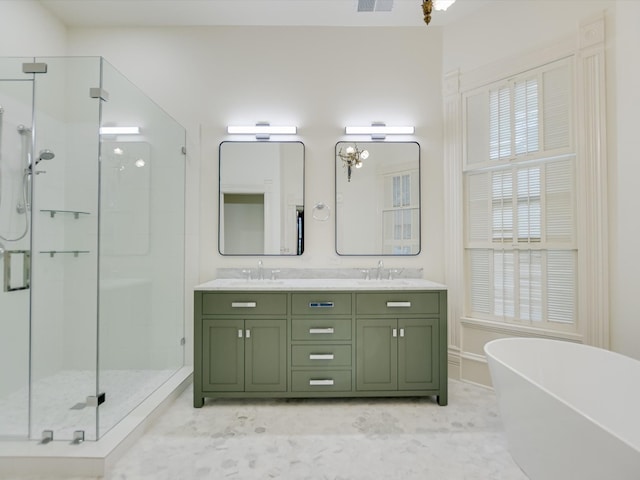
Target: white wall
{"type": "Point", "coordinates": [324, 78]}
{"type": "Point", "coordinates": [320, 79]}
{"type": "Point", "coordinates": [505, 30]}
{"type": "Point", "coordinates": [624, 148]}
{"type": "Point", "coordinates": [28, 29]}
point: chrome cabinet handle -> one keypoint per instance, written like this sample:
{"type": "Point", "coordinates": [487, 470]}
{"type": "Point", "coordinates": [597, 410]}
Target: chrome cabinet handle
{"type": "Point", "coordinates": [247, 333]}
{"type": "Point", "coordinates": [402, 332]}
{"type": "Point", "coordinates": [321, 304]}
{"type": "Point", "coordinates": [320, 330]}
{"type": "Point", "coordinates": [321, 356]}
{"type": "Point", "coordinates": [398, 304]}
{"type": "Point", "coordinates": [239, 333]}
{"type": "Point", "coordinates": [394, 332]}
{"type": "Point", "coordinates": [243, 304]}
{"type": "Point", "coordinates": [321, 382]}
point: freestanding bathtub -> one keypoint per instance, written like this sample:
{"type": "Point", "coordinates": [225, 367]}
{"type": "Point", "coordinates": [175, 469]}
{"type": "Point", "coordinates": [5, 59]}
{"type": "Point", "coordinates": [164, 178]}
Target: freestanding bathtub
{"type": "Point", "coordinates": [570, 411]}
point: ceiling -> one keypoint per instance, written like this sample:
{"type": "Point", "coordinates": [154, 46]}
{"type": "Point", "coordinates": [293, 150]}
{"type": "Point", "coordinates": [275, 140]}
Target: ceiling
{"type": "Point", "coordinates": [136, 13]}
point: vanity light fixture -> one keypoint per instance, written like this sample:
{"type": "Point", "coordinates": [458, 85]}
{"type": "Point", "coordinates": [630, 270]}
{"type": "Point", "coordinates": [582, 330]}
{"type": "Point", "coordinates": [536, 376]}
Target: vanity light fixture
{"type": "Point", "coordinates": [119, 130]}
{"type": "Point", "coordinates": [429, 5]}
{"type": "Point", "coordinates": [352, 157]}
{"type": "Point", "coordinates": [379, 131]}
{"type": "Point", "coordinates": [262, 131]}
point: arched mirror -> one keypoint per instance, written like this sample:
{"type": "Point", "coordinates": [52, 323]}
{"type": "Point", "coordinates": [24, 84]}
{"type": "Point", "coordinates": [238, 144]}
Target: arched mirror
{"type": "Point", "coordinates": [261, 198]}
{"type": "Point", "coordinates": [377, 198]}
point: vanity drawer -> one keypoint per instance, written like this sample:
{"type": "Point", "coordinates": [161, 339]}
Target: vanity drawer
{"type": "Point", "coordinates": [321, 355]}
{"type": "Point", "coordinates": [320, 329]}
{"type": "Point", "coordinates": [321, 303]}
{"type": "Point", "coordinates": [321, 381]}
{"type": "Point", "coordinates": [244, 303]}
{"type": "Point", "coordinates": [397, 303]}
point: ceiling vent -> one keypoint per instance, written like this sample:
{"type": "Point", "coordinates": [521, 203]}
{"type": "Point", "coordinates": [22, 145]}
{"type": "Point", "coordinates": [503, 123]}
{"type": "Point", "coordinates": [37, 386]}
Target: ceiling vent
{"type": "Point", "coordinates": [375, 5]}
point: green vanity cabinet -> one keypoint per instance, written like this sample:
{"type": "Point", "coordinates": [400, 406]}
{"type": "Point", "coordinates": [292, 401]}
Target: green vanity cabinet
{"type": "Point", "coordinates": [325, 343]}
{"type": "Point", "coordinates": [244, 355]}
{"type": "Point", "coordinates": [401, 343]}
{"type": "Point", "coordinates": [240, 345]}
{"type": "Point", "coordinates": [321, 343]}
{"type": "Point", "coordinates": [391, 354]}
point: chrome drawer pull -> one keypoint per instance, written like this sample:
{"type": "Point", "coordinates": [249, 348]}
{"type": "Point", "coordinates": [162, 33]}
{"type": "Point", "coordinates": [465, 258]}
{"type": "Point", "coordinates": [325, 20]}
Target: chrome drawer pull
{"type": "Point", "coordinates": [243, 304]}
{"type": "Point", "coordinates": [398, 304]}
{"type": "Point", "coordinates": [321, 356]}
{"type": "Point", "coordinates": [321, 304]}
{"type": "Point", "coordinates": [320, 330]}
{"type": "Point", "coordinates": [320, 382]}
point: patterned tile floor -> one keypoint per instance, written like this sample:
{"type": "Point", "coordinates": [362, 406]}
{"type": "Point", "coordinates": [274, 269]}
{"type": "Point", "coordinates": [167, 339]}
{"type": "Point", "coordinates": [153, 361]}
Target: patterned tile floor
{"type": "Point", "coordinates": [338, 439]}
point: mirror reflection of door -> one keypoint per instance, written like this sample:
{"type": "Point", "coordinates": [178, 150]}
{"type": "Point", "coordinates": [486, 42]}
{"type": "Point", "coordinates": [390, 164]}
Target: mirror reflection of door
{"type": "Point", "coordinates": [261, 198]}
{"type": "Point", "coordinates": [243, 223]}
{"type": "Point", "coordinates": [378, 208]}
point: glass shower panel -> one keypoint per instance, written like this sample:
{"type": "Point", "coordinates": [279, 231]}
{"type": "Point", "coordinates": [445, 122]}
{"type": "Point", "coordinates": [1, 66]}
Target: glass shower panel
{"type": "Point", "coordinates": [141, 242]}
{"type": "Point", "coordinates": [65, 253]}
{"type": "Point", "coordinates": [16, 92]}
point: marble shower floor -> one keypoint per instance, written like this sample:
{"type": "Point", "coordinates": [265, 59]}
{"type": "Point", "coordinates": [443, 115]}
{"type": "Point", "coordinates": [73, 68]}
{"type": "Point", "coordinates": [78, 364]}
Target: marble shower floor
{"type": "Point", "coordinates": [352, 439]}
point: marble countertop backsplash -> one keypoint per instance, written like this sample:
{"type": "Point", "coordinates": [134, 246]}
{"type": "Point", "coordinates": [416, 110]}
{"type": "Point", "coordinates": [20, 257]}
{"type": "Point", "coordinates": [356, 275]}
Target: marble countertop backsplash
{"type": "Point", "coordinates": [318, 279]}
{"type": "Point", "coordinates": [317, 273]}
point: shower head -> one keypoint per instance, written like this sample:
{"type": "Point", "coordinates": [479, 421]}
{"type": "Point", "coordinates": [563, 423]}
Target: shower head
{"type": "Point", "coordinates": [45, 154]}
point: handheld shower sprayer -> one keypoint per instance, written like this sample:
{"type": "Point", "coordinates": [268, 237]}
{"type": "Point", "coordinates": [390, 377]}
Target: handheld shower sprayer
{"type": "Point", "coordinates": [45, 154]}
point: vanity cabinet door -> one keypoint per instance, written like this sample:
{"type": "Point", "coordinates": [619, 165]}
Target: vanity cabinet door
{"type": "Point", "coordinates": [266, 355]}
{"type": "Point", "coordinates": [397, 354]}
{"type": "Point", "coordinates": [223, 355]}
{"type": "Point", "coordinates": [244, 355]}
{"type": "Point", "coordinates": [418, 354]}
{"type": "Point", "coordinates": [376, 354]}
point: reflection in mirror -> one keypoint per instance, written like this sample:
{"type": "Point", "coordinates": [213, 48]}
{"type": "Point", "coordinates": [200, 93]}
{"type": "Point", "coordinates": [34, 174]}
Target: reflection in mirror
{"type": "Point", "coordinates": [261, 198]}
{"type": "Point", "coordinates": [378, 204]}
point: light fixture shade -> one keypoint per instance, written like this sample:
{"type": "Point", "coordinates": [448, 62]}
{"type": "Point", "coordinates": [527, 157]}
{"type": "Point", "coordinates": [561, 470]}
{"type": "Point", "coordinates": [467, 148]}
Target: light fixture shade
{"type": "Point", "coordinates": [262, 129]}
{"type": "Point", "coordinates": [119, 130]}
{"type": "Point", "coordinates": [379, 130]}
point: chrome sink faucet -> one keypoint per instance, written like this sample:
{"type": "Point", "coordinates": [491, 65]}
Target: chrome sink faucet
{"type": "Point", "coordinates": [260, 270]}
{"type": "Point", "coordinates": [379, 270]}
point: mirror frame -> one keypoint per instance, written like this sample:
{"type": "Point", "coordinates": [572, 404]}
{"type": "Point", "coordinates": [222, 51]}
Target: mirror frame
{"type": "Point", "coordinates": [221, 206]}
{"type": "Point", "coordinates": [339, 170]}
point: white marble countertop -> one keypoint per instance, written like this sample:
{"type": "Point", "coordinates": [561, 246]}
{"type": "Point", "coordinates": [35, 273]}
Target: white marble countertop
{"type": "Point", "coordinates": [315, 284]}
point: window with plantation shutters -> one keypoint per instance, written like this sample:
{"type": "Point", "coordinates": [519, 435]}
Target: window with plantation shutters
{"type": "Point", "coordinates": [520, 200]}
{"type": "Point", "coordinates": [401, 213]}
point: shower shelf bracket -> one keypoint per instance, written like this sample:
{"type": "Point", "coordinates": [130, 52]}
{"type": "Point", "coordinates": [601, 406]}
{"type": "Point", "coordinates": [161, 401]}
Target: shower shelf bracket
{"type": "Point", "coordinates": [52, 253]}
{"type": "Point", "coordinates": [76, 214]}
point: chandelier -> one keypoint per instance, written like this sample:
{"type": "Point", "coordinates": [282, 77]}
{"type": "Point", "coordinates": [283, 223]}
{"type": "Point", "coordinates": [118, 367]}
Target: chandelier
{"type": "Point", "coordinates": [352, 158]}
{"type": "Point", "coordinates": [429, 5]}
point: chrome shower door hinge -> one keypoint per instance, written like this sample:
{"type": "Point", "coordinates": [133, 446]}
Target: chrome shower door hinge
{"type": "Point", "coordinates": [78, 437]}
{"type": "Point", "coordinates": [95, 400]}
{"type": "Point", "coordinates": [47, 436]}
{"type": "Point", "coordinates": [97, 92]}
{"type": "Point", "coordinates": [34, 67]}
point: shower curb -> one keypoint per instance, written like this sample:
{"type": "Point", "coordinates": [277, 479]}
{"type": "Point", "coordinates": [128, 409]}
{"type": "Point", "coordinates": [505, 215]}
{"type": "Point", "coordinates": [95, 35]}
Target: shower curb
{"type": "Point", "coordinates": [92, 459]}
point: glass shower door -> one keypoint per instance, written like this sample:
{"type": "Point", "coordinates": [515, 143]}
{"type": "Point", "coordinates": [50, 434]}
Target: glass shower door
{"type": "Point", "coordinates": [16, 95]}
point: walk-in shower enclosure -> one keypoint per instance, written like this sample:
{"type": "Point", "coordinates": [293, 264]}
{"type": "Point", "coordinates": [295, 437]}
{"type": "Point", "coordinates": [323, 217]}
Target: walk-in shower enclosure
{"type": "Point", "coordinates": [91, 248]}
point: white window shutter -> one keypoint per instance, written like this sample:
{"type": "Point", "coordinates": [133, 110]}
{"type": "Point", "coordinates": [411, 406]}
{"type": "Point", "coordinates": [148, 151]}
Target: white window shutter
{"type": "Point", "coordinates": [560, 197]}
{"type": "Point", "coordinates": [557, 108]}
{"type": "Point", "coordinates": [478, 198]}
{"type": "Point", "coordinates": [500, 138]}
{"type": "Point", "coordinates": [561, 286]}
{"type": "Point", "coordinates": [480, 285]}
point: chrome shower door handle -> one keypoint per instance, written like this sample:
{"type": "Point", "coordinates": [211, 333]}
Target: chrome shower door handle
{"type": "Point", "coordinates": [8, 262]}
